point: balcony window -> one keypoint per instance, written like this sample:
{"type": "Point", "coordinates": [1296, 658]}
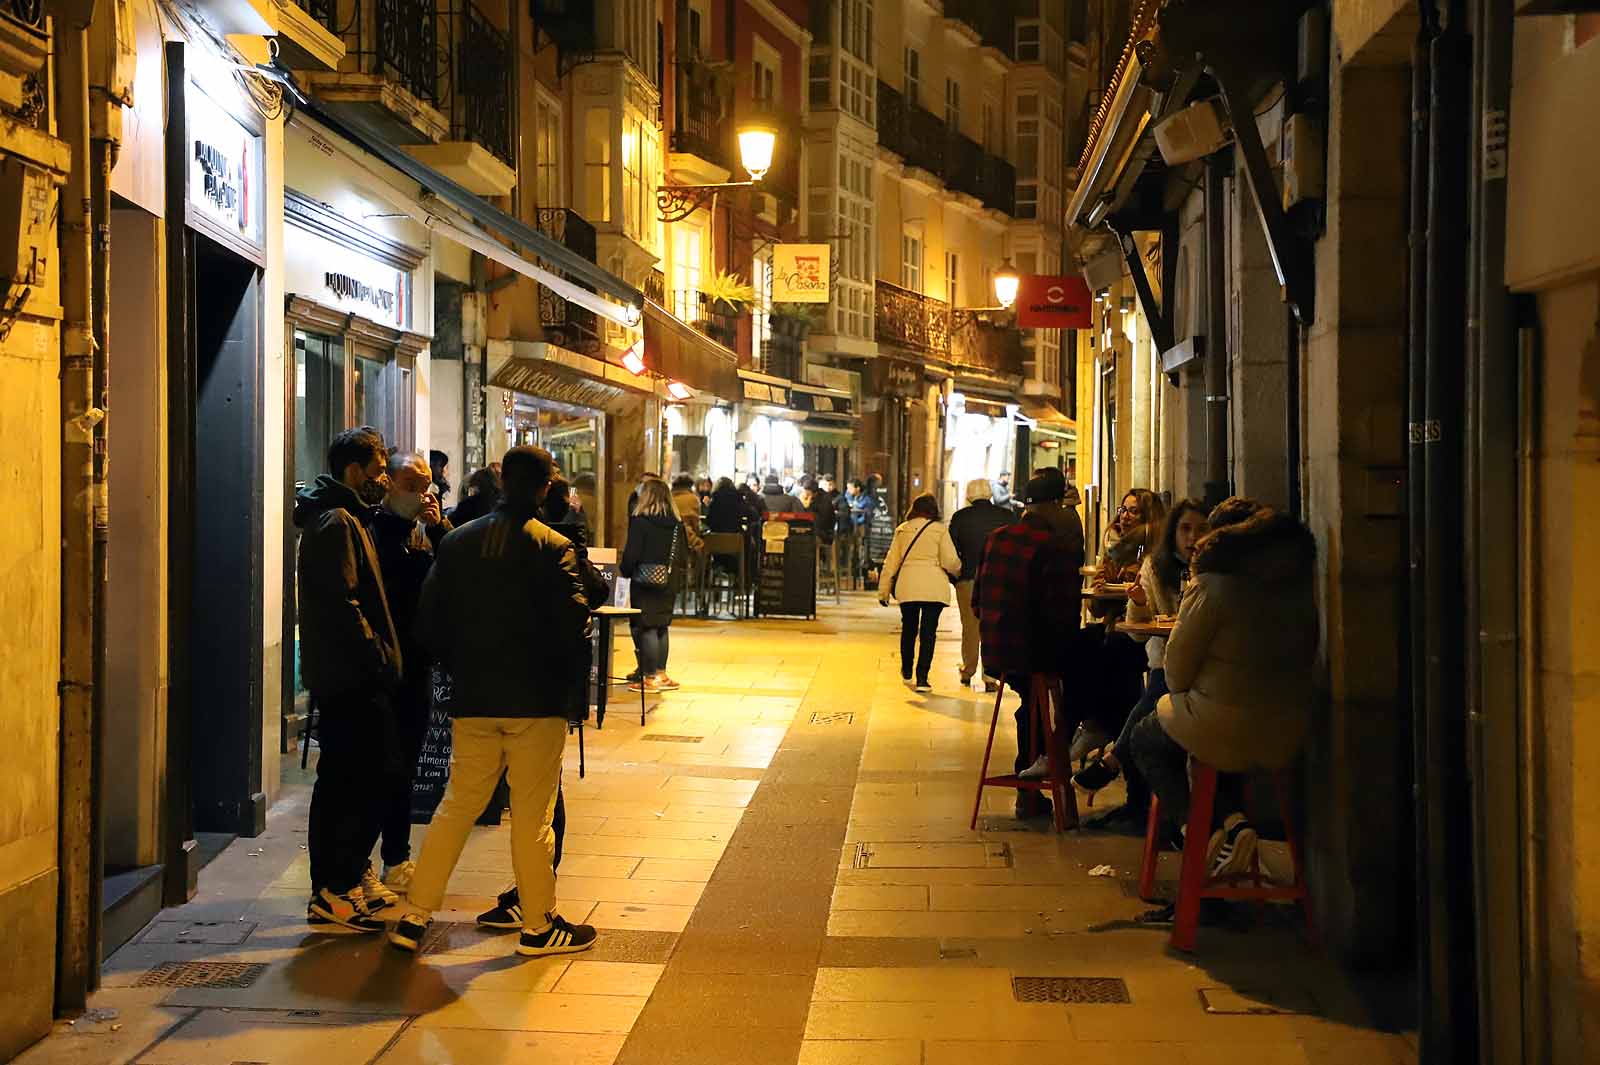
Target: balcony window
{"type": "Point", "coordinates": [597, 164]}
{"type": "Point", "coordinates": [952, 104]}
{"type": "Point", "coordinates": [761, 310]}
{"type": "Point", "coordinates": [819, 76]}
{"type": "Point", "coordinates": [547, 190]}
{"type": "Point", "coordinates": [855, 17]}
{"type": "Point", "coordinates": [913, 83]}
{"type": "Point", "coordinates": [910, 261]}
{"type": "Point", "coordinates": [857, 87]}
{"type": "Point", "coordinates": [952, 277]}
{"type": "Point", "coordinates": [686, 261]}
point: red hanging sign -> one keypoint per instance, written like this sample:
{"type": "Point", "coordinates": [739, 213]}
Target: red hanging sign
{"type": "Point", "coordinates": [1054, 301]}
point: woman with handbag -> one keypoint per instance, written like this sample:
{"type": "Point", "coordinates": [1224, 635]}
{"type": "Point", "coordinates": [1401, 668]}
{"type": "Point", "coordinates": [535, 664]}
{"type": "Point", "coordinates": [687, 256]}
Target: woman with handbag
{"type": "Point", "coordinates": [921, 563]}
{"type": "Point", "coordinates": [655, 551]}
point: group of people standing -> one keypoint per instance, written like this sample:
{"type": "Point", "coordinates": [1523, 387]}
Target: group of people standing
{"type": "Point", "coordinates": [1230, 685]}
{"type": "Point", "coordinates": [389, 590]}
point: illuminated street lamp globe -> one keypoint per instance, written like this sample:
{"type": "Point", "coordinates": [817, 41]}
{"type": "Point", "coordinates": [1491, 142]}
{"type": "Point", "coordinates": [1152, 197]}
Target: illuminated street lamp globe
{"type": "Point", "coordinates": [757, 140]}
{"type": "Point", "coordinates": [1005, 285]}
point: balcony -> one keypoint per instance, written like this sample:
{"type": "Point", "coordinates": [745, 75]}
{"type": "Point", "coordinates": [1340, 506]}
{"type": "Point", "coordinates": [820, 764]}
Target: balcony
{"type": "Point", "coordinates": [308, 35]}
{"type": "Point", "coordinates": [567, 324]}
{"type": "Point", "coordinates": [922, 140]}
{"type": "Point", "coordinates": [991, 20]}
{"type": "Point", "coordinates": [570, 25]}
{"type": "Point", "coordinates": [712, 318]}
{"type": "Point", "coordinates": [908, 320]}
{"type": "Point", "coordinates": [699, 146]}
{"type": "Point", "coordinates": [436, 79]}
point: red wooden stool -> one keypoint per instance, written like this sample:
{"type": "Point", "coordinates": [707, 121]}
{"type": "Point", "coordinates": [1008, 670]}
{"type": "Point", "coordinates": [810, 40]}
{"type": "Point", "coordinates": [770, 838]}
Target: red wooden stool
{"type": "Point", "coordinates": [1195, 882]}
{"type": "Point", "coordinates": [1041, 686]}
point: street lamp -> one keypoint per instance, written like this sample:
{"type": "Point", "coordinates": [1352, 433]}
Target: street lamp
{"type": "Point", "coordinates": [1006, 283]}
{"type": "Point", "coordinates": [758, 140]}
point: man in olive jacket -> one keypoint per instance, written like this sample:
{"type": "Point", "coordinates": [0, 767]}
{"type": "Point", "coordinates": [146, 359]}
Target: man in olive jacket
{"type": "Point", "coordinates": [350, 661]}
{"type": "Point", "coordinates": [504, 610]}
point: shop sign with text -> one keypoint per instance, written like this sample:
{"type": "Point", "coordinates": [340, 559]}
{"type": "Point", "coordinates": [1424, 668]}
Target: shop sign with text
{"type": "Point", "coordinates": [1054, 301]}
{"type": "Point", "coordinates": [800, 273]}
{"type": "Point", "coordinates": [224, 167]}
{"type": "Point", "coordinates": [341, 277]}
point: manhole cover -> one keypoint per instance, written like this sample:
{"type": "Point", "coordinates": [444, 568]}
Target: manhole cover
{"type": "Point", "coordinates": [216, 933]}
{"type": "Point", "coordinates": [1277, 1000]}
{"type": "Point", "coordinates": [1095, 990]}
{"type": "Point", "coordinates": [217, 974]}
{"type": "Point", "coordinates": [839, 717]}
{"type": "Point", "coordinates": [667, 737]}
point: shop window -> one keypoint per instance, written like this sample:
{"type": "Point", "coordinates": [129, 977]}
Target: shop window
{"type": "Point", "coordinates": [597, 164]}
{"type": "Point", "coordinates": [719, 442]}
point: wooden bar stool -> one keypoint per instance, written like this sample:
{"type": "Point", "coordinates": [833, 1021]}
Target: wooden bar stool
{"type": "Point", "coordinates": [1041, 686]}
{"type": "Point", "coordinates": [1195, 881]}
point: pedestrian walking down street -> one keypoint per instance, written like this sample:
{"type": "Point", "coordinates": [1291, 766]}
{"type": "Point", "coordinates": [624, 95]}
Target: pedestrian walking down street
{"type": "Point", "coordinates": [504, 610]}
{"type": "Point", "coordinates": [351, 662]}
{"type": "Point", "coordinates": [655, 552]}
{"type": "Point", "coordinates": [921, 563]}
{"type": "Point", "coordinates": [969, 531]}
{"type": "Point", "coordinates": [405, 532]}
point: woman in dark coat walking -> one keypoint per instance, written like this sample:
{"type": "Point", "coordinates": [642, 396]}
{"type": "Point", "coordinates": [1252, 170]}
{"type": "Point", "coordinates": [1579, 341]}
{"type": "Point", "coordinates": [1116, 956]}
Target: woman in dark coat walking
{"type": "Point", "coordinates": [656, 548]}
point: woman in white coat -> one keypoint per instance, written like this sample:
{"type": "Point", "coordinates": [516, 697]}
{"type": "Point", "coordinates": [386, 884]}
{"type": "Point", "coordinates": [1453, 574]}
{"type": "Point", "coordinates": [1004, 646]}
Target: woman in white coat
{"type": "Point", "coordinates": [922, 562]}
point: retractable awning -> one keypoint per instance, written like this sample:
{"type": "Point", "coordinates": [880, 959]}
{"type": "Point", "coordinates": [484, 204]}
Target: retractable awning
{"type": "Point", "coordinates": [551, 372]}
{"type": "Point", "coordinates": [680, 352]}
{"type": "Point", "coordinates": [1045, 413]}
{"type": "Point", "coordinates": [522, 236]}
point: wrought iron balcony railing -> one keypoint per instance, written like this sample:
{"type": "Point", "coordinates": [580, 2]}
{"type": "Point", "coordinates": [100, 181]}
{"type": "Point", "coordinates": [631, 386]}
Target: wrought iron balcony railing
{"type": "Point", "coordinates": [983, 345]}
{"type": "Point", "coordinates": [923, 140]}
{"type": "Point", "coordinates": [713, 318]}
{"type": "Point", "coordinates": [698, 128]}
{"type": "Point", "coordinates": [997, 184]}
{"type": "Point", "coordinates": [911, 320]}
{"type": "Point", "coordinates": [481, 109]}
{"type": "Point", "coordinates": [571, 25]}
{"type": "Point", "coordinates": [570, 228]}
{"type": "Point", "coordinates": [324, 11]}
{"type": "Point", "coordinates": [567, 324]}
{"type": "Point", "coordinates": [655, 287]}
{"type": "Point", "coordinates": [406, 45]}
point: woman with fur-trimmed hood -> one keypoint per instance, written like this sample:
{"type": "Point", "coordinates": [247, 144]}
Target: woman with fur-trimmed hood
{"type": "Point", "coordinates": [1239, 665]}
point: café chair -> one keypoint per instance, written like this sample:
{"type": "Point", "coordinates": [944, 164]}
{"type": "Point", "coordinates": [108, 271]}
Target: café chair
{"type": "Point", "coordinates": [732, 577]}
{"type": "Point", "coordinates": [1042, 687]}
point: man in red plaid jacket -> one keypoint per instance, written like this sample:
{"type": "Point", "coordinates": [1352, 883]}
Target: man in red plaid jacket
{"type": "Point", "coordinates": [1027, 596]}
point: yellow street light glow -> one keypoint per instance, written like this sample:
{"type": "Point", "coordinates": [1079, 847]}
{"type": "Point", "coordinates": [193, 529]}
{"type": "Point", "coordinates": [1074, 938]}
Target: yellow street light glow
{"type": "Point", "coordinates": [757, 139]}
{"type": "Point", "coordinates": [1006, 282]}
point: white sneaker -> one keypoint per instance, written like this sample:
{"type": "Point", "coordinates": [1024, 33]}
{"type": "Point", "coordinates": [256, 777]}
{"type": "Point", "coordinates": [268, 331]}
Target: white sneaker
{"type": "Point", "coordinates": [397, 878]}
{"type": "Point", "coordinates": [1087, 739]}
{"type": "Point", "coordinates": [377, 895]}
{"type": "Point", "coordinates": [1231, 854]}
{"type": "Point", "coordinates": [1039, 768]}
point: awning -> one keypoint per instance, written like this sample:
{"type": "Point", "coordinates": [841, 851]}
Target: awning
{"type": "Point", "coordinates": [680, 352]}
{"type": "Point", "coordinates": [550, 372]}
{"type": "Point", "coordinates": [530, 241]}
{"type": "Point", "coordinates": [1045, 413]}
{"type": "Point", "coordinates": [820, 399]}
{"type": "Point", "coordinates": [826, 435]}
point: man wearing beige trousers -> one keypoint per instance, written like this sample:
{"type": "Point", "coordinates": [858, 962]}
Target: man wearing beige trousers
{"type": "Point", "coordinates": [970, 528]}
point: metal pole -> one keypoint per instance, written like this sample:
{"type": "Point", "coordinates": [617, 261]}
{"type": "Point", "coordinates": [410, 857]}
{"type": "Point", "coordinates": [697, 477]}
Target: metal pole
{"type": "Point", "coordinates": [1216, 370]}
{"type": "Point", "coordinates": [78, 949]}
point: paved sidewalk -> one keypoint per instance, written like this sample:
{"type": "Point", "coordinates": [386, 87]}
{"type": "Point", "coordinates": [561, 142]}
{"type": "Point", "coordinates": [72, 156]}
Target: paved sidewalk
{"type": "Point", "coordinates": [781, 870]}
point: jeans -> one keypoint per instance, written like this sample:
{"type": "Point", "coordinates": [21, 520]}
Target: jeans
{"type": "Point", "coordinates": [918, 619]}
{"type": "Point", "coordinates": [411, 710]}
{"type": "Point", "coordinates": [349, 797]}
{"type": "Point", "coordinates": [1165, 765]}
{"type": "Point", "coordinates": [969, 630]}
{"type": "Point", "coordinates": [529, 749]}
{"type": "Point", "coordinates": [650, 645]}
{"type": "Point", "coordinates": [849, 543]}
{"type": "Point", "coordinates": [1138, 787]}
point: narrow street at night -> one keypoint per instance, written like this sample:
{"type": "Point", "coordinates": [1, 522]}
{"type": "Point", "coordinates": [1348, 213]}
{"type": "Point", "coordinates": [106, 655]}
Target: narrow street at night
{"type": "Point", "coordinates": [780, 870]}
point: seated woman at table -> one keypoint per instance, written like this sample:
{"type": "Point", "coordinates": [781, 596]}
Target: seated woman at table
{"type": "Point", "coordinates": [1160, 589]}
{"type": "Point", "coordinates": [1239, 665]}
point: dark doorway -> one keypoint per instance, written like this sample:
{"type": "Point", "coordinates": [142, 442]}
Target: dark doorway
{"type": "Point", "coordinates": [225, 596]}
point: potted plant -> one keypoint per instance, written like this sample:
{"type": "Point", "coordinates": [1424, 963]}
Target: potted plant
{"type": "Point", "coordinates": [728, 293]}
{"type": "Point", "coordinates": [797, 319]}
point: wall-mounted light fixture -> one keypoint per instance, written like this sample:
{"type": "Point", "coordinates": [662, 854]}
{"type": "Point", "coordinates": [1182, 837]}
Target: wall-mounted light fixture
{"type": "Point", "coordinates": [758, 140]}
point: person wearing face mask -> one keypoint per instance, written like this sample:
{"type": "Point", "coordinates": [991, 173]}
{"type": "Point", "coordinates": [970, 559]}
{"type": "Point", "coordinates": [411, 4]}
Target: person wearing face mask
{"type": "Point", "coordinates": [406, 531]}
{"type": "Point", "coordinates": [351, 661]}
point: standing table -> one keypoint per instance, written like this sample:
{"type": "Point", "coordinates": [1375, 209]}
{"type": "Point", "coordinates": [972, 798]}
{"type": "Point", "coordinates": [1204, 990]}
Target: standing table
{"type": "Point", "coordinates": [607, 617]}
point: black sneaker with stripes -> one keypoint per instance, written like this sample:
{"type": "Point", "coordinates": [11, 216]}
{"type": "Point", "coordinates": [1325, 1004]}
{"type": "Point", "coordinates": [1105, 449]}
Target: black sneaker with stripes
{"type": "Point", "coordinates": [560, 938]}
{"type": "Point", "coordinates": [506, 912]}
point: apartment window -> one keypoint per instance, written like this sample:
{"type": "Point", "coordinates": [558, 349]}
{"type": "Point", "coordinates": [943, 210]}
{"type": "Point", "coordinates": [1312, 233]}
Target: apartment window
{"type": "Point", "coordinates": [766, 72]}
{"type": "Point", "coordinates": [910, 260]}
{"type": "Point", "coordinates": [693, 43]}
{"type": "Point", "coordinates": [641, 173]}
{"type": "Point", "coordinates": [991, 143]}
{"type": "Point", "coordinates": [686, 272]}
{"type": "Point", "coordinates": [913, 75]}
{"type": "Point", "coordinates": [952, 104]}
{"type": "Point", "coordinates": [952, 276]}
{"type": "Point", "coordinates": [820, 77]}
{"type": "Point", "coordinates": [632, 151]}
{"type": "Point", "coordinates": [853, 288]}
{"type": "Point", "coordinates": [858, 89]}
{"type": "Point", "coordinates": [1028, 155]}
{"type": "Point", "coordinates": [597, 164]}
{"type": "Point", "coordinates": [547, 152]}
{"type": "Point", "coordinates": [1028, 42]}
{"type": "Point", "coordinates": [855, 28]}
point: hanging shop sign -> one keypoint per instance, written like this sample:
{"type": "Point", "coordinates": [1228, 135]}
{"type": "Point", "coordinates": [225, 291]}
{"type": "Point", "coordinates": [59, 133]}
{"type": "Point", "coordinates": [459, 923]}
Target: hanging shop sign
{"type": "Point", "coordinates": [224, 162]}
{"type": "Point", "coordinates": [892, 377]}
{"type": "Point", "coordinates": [800, 273]}
{"type": "Point", "coordinates": [344, 265]}
{"type": "Point", "coordinates": [1054, 301]}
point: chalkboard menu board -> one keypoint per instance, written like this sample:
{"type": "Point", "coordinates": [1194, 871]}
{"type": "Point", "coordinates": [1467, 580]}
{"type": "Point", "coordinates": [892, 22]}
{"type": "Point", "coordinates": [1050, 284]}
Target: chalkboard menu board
{"type": "Point", "coordinates": [786, 582]}
{"type": "Point", "coordinates": [433, 764]}
{"type": "Point", "coordinates": [880, 530]}
{"type": "Point", "coordinates": [605, 560]}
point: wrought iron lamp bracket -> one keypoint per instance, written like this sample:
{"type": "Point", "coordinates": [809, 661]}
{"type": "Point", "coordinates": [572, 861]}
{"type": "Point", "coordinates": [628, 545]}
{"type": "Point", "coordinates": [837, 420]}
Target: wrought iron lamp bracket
{"type": "Point", "coordinates": [674, 203]}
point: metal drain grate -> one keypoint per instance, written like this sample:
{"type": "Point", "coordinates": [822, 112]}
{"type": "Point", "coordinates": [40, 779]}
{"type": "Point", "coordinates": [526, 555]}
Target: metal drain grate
{"type": "Point", "coordinates": [1079, 990]}
{"type": "Point", "coordinates": [215, 974]}
{"type": "Point", "coordinates": [837, 717]}
{"type": "Point", "coordinates": [667, 737]}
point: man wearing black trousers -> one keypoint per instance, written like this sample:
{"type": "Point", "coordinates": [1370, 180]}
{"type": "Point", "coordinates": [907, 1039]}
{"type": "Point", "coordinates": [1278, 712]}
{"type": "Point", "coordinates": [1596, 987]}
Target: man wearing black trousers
{"type": "Point", "coordinates": [350, 660]}
{"type": "Point", "coordinates": [405, 530]}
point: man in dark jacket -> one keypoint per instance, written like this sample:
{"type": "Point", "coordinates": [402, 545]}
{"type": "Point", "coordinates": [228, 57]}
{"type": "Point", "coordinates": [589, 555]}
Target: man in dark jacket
{"type": "Point", "coordinates": [970, 528]}
{"type": "Point", "coordinates": [504, 610]}
{"type": "Point", "coordinates": [350, 660]}
{"type": "Point", "coordinates": [406, 531]}
{"type": "Point", "coordinates": [776, 500]}
{"type": "Point", "coordinates": [1027, 598]}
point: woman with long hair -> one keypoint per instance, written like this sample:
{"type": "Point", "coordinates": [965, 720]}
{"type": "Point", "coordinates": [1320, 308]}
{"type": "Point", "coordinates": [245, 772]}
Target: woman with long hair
{"type": "Point", "coordinates": [655, 551]}
{"type": "Point", "coordinates": [1162, 578]}
{"type": "Point", "coordinates": [921, 563]}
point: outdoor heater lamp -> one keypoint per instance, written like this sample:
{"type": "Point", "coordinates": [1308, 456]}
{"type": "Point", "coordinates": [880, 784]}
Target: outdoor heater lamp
{"type": "Point", "coordinates": [679, 391]}
{"type": "Point", "coordinates": [632, 361]}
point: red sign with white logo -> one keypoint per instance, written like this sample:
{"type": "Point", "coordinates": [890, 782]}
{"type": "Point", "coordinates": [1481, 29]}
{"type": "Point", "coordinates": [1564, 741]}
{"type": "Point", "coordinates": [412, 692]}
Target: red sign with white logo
{"type": "Point", "coordinates": [1054, 301]}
